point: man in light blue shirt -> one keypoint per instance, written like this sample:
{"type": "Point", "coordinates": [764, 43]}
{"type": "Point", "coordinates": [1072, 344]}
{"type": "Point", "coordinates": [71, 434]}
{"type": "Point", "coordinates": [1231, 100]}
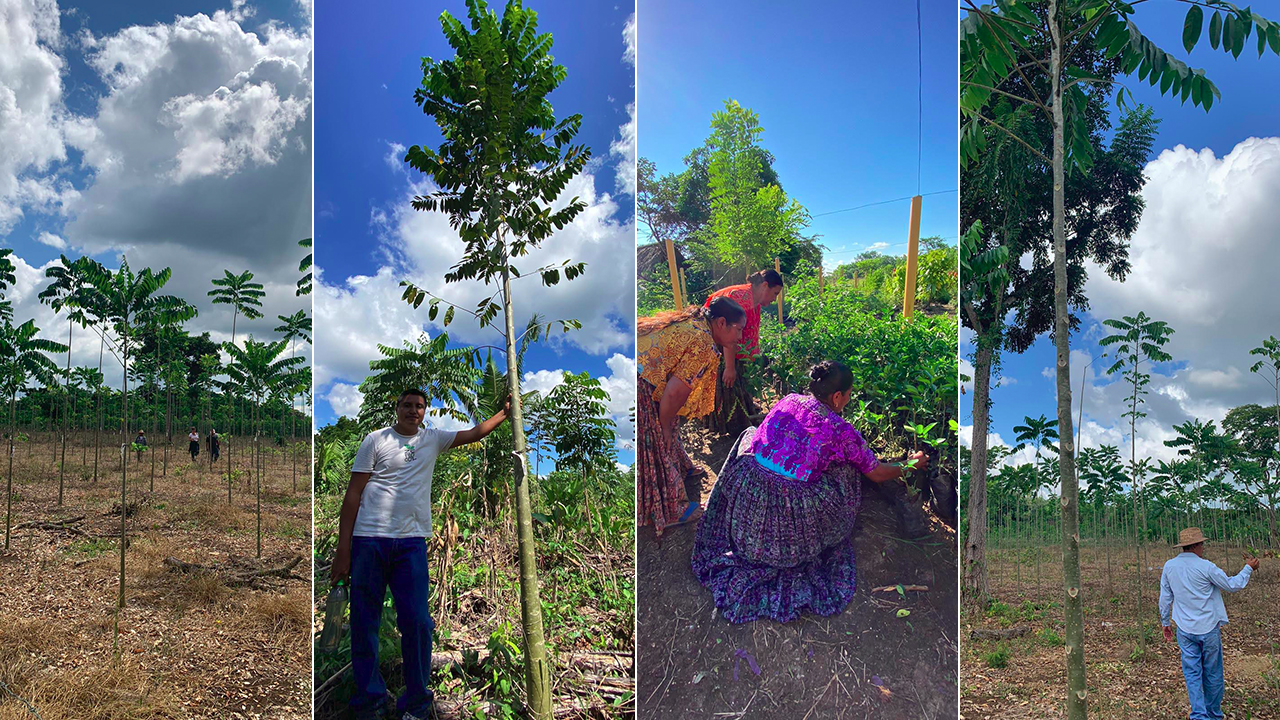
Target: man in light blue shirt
{"type": "Point", "coordinates": [1191, 595]}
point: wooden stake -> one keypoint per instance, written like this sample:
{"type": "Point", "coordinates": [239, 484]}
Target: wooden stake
{"type": "Point", "coordinates": [913, 250]}
{"type": "Point", "coordinates": [676, 295]}
{"type": "Point", "coordinates": [777, 266]}
{"type": "Point", "coordinates": [684, 288]}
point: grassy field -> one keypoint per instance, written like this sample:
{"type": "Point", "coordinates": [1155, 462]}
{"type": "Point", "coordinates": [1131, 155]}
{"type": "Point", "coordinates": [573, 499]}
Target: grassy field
{"type": "Point", "coordinates": [230, 641]}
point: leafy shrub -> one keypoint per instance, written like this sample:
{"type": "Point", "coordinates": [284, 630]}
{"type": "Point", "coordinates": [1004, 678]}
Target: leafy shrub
{"type": "Point", "coordinates": [1049, 637]}
{"type": "Point", "coordinates": [904, 370]}
{"type": "Point", "coordinates": [997, 658]}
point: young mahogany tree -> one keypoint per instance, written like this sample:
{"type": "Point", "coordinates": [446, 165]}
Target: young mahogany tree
{"type": "Point", "coordinates": [1139, 339]}
{"type": "Point", "coordinates": [499, 171]}
{"type": "Point", "coordinates": [995, 93]}
{"type": "Point", "coordinates": [245, 298]}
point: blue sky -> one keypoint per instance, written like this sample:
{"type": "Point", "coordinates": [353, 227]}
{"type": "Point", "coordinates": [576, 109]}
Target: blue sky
{"type": "Point", "coordinates": [368, 238]}
{"type": "Point", "coordinates": [835, 87]}
{"type": "Point", "coordinates": [175, 133]}
{"type": "Point", "coordinates": [1204, 249]}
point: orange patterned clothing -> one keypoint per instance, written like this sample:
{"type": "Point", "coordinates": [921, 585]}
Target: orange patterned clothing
{"type": "Point", "coordinates": [749, 345]}
{"type": "Point", "coordinates": [686, 350]}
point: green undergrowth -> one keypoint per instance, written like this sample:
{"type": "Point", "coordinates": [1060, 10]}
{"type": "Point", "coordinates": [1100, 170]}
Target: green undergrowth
{"type": "Point", "coordinates": [584, 532]}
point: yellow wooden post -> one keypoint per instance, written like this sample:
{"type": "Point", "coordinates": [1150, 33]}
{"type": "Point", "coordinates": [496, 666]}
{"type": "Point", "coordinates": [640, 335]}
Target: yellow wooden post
{"type": "Point", "coordinates": [675, 276]}
{"type": "Point", "coordinates": [684, 288]}
{"type": "Point", "coordinates": [913, 250]}
{"type": "Point", "coordinates": [777, 266]}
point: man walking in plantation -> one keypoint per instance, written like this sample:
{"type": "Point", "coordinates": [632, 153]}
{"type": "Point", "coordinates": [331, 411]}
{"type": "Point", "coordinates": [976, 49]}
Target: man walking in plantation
{"type": "Point", "coordinates": [1191, 595]}
{"type": "Point", "coordinates": [382, 541]}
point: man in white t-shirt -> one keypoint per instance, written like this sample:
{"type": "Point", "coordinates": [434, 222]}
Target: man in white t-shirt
{"type": "Point", "coordinates": [382, 532]}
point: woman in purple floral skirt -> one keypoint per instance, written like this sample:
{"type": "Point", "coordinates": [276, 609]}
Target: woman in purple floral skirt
{"type": "Point", "coordinates": [777, 536]}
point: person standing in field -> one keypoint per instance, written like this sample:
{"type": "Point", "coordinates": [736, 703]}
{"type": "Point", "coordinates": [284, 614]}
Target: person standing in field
{"type": "Point", "coordinates": [193, 443]}
{"type": "Point", "coordinates": [215, 446]}
{"type": "Point", "coordinates": [733, 397]}
{"type": "Point", "coordinates": [382, 541]}
{"type": "Point", "coordinates": [140, 444]}
{"type": "Point", "coordinates": [1191, 596]}
{"type": "Point", "coordinates": [677, 355]}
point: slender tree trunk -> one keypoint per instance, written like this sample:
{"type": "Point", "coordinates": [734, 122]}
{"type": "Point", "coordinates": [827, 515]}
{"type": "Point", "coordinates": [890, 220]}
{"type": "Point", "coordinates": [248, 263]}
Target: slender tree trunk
{"type": "Point", "coordinates": [155, 425]}
{"type": "Point", "coordinates": [62, 467]}
{"type": "Point", "coordinates": [1271, 501]}
{"type": "Point", "coordinates": [537, 670]}
{"type": "Point", "coordinates": [231, 410]}
{"type": "Point", "coordinates": [168, 424]}
{"type": "Point", "coordinates": [975, 547]}
{"type": "Point", "coordinates": [257, 451]}
{"type": "Point", "coordinates": [1077, 694]}
{"type": "Point", "coordinates": [97, 393]}
{"type": "Point", "coordinates": [124, 465]}
{"type": "Point", "coordinates": [8, 495]}
{"type": "Point", "coordinates": [1133, 490]}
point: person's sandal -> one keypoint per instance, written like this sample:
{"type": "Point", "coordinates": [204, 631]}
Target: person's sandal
{"type": "Point", "coordinates": [691, 514]}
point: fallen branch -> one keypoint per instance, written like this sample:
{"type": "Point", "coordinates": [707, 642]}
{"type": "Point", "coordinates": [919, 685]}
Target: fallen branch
{"type": "Point", "coordinates": [237, 577]}
{"type": "Point", "coordinates": [562, 707]}
{"type": "Point", "coordinates": [331, 683]}
{"type": "Point", "coordinates": [986, 634]}
{"type": "Point", "coordinates": [894, 588]}
{"type": "Point", "coordinates": [52, 527]}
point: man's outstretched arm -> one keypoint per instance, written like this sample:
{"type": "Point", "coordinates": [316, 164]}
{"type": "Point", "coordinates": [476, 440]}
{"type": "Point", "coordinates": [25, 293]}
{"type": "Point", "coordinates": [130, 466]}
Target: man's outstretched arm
{"type": "Point", "coordinates": [479, 432]}
{"type": "Point", "coordinates": [1236, 582]}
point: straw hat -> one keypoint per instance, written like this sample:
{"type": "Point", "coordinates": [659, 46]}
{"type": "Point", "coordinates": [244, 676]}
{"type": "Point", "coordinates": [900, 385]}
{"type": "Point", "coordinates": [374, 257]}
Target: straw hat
{"type": "Point", "coordinates": [1190, 536]}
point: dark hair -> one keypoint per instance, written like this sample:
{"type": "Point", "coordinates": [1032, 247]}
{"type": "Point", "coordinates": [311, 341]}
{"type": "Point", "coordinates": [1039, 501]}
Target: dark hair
{"type": "Point", "coordinates": [829, 377]}
{"type": "Point", "coordinates": [769, 277]}
{"type": "Point", "coordinates": [413, 391]}
{"type": "Point", "coordinates": [727, 308]}
{"type": "Point", "coordinates": [724, 307]}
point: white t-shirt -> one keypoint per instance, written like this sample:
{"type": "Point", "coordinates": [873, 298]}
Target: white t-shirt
{"type": "Point", "coordinates": [397, 500]}
{"type": "Point", "coordinates": [193, 437]}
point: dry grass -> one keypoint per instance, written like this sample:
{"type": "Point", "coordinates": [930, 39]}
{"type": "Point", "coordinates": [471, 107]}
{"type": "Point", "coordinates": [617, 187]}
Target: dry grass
{"type": "Point", "coordinates": [189, 646]}
{"type": "Point", "coordinates": [279, 614]}
{"type": "Point", "coordinates": [33, 654]}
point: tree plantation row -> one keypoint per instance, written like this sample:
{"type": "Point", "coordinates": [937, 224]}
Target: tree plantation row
{"type": "Point", "coordinates": [170, 382]}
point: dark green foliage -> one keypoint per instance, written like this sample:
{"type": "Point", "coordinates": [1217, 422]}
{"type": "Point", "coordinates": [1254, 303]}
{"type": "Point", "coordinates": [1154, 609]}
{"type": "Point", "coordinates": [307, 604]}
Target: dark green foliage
{"type": "Point", "coordinates": [904, 370]}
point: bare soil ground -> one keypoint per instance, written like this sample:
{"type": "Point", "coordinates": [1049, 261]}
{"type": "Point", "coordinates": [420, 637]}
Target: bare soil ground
{"type": "Point", "coordinates": [191, 644]}
{"type": "Point", "coordinates": [866, 661]}
{"type": "Point", "coordinates": [1120, 685]}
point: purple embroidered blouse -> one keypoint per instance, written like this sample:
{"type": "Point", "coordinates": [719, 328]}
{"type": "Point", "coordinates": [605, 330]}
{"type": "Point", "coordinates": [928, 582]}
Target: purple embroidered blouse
{"type": "Point", "coordinates": [801, 437]}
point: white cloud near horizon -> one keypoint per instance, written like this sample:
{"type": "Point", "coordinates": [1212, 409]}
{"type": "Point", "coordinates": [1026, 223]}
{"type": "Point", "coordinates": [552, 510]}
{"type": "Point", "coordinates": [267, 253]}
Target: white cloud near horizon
{"type": "Point", "coordinates": [195, 155]}
{"type": "Point", "coordinates": [1203, 251]}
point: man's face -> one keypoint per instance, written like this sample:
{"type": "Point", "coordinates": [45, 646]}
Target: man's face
{"type": "Point", "coordinates": [410, 411]}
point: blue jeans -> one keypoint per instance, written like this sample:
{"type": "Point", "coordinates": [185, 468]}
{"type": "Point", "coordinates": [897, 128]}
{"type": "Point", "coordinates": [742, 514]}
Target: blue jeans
{"type": "Point", "coordinates": [1202, 669]}
{"type": "Point", "coordinates": [400, 563]}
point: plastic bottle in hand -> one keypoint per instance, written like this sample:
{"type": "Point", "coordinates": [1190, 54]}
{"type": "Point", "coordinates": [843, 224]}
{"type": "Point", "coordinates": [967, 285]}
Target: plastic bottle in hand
{"type": "Point", "coordinates": [335, 607]}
